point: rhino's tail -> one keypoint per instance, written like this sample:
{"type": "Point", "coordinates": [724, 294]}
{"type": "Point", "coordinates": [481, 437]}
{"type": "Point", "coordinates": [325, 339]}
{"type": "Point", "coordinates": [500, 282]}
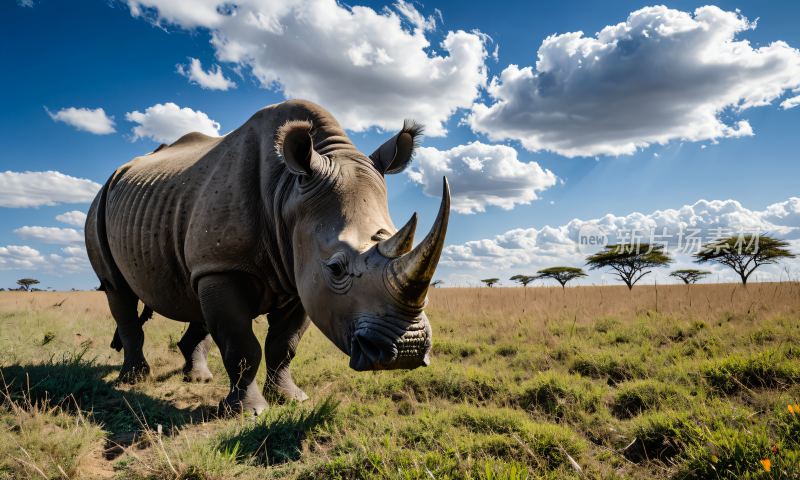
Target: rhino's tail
{"type": "Point", "coordinates": [146, 315]}
{"type": "Point", "coordinates": [97, 246]}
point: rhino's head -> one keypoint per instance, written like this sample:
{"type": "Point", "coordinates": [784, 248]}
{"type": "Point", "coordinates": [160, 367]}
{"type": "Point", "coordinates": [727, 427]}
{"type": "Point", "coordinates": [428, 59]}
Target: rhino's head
{"type": "Point", "coordinates": [356, 274]}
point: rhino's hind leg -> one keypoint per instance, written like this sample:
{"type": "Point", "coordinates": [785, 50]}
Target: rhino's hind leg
{"type": "Point", "coordinates": [229, 316]}
{"type": "Point", "coordinates": [286, 327]}
{"type": "Point", "coordinates": [195, 346]}
{"type": "Point", "coordinates": [123, 306]}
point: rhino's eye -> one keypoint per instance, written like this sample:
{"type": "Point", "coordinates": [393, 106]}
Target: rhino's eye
{"type": "Point", "coordinates": [338, 274]}
{"type": "Point", "coordinates": [335, 269]}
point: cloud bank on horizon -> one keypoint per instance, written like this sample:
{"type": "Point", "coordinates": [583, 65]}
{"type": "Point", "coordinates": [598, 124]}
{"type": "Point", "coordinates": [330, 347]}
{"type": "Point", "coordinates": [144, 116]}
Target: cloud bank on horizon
{"type": "Point", "coordinates": [526, 250]}
{"type": "Point", "coordinates": [516, 251]}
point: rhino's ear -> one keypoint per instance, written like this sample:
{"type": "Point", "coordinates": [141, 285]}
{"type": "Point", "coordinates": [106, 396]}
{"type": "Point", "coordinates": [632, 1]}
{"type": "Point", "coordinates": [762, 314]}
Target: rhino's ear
{"type": "Point", "coordinates": [395, 155]}
{"type": "Point", "coordinates": [295, 145]}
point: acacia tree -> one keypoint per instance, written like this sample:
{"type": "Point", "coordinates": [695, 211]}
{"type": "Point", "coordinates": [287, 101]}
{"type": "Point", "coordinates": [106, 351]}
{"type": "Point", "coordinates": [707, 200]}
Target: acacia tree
{"type": "Point", "coordinates": [689, 275]}
{"type": "Point", "coordinates": [745, 253]}
{"type": "Point", "coordinates": [490, 281]}
{"type": "Point", "coordinates": [561, 274]}
{"type": "Point", "coordinates": [523, 279]}
{"type": "Point", "coordinates": [27, 282]}
{"type": "Point", "coordinates": [628, 263]}
{"type": "Point", "coordinates": [436, 283]}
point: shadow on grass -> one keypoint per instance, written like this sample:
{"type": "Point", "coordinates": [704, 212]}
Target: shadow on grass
{"type": "Point", "coordinates": [276, 436]}
{"type": "Point", "coordinates": [167, 375]}
{"type": "Point", "coordinates": [59, 381]}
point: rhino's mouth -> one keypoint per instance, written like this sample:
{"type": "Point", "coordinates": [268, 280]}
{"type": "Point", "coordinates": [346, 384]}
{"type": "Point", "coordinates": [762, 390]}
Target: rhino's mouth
{"type": "Point", "coordinates": [382, 344]}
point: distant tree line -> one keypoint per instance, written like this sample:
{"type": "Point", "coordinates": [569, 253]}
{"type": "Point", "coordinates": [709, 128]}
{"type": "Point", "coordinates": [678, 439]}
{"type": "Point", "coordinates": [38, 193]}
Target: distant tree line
{"type": "Point", "coordinates": [630, 264]}
{"type": "Point", "coordinates": [26, 285]}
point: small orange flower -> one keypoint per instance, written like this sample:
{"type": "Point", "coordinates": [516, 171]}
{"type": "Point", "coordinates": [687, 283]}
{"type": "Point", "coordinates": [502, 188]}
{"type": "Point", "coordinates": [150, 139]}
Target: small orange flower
{"type": "Point", "coordinates": [796, 408]}
{"type": "Point", "coordinates": [766, 464]}
{"type": "Point", "coordinates": [791, 409]}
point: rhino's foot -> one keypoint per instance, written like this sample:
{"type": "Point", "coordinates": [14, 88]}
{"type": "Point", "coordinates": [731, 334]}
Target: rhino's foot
{"type": "Point", "coordinates": [195, 345]}
{"type": "Point", "coordinates": [286, 391]}
{"type": "Point", "coordinates": [280, 388]}
{"type": "Point", "coordinates": [197, 373]}
{"type": "Point", "coordinates": [247, 401]}
{"type": "Point", "coordinates": [134, 373]}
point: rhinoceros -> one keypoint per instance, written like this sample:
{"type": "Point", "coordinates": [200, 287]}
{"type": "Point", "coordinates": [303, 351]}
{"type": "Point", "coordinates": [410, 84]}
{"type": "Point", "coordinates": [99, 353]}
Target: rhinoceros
{"type": "Point", "coordinates": [283, 216]}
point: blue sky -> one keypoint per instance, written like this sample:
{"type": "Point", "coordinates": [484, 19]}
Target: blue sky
{"type": "Point", "coordinates": [673, 112]}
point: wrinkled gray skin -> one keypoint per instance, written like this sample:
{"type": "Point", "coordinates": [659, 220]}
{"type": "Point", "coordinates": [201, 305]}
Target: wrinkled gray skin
{"type": "Point", "coordinates": [282, 216]}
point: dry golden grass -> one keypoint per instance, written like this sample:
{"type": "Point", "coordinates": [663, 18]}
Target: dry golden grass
{"type": "Point", "coordinates": [492, 314]}
{"type": "Point", "coordinates": [702, 302]}
{"type": "Point", "coordinates": [70, 305]}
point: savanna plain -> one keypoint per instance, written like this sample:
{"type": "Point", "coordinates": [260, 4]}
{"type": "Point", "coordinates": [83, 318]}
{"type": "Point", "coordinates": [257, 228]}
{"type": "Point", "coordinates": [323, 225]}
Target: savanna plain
{"type": "Point", "coordinates": [677, 381]}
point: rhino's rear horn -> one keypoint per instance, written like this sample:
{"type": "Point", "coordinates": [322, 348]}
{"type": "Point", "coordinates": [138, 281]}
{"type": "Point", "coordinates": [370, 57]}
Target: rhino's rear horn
{"type": "Point", "coordinates": [401, 242]}
{"type": "Point", "coordinates": [408, 277]}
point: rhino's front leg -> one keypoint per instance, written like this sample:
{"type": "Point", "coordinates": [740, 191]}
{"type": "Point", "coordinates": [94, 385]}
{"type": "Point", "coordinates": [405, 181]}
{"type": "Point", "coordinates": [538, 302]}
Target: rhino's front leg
{"type": "Point", "coordinates": [195, 345]}
{"type": "Point", "coordinates": [286, 327]}
{"type": "Point", "coordinates": [228, 314]}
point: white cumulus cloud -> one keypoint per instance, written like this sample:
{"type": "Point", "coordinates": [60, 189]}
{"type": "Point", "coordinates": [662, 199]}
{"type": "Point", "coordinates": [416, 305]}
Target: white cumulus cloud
{"type": "Point", "coordinates": [76, 261]}
{"type": "Point", "coordinates": [74, 217]}
{"type": "Point", "coordinates": [661, 75]}
{"type": "Point", "coordinates": [363, 66]}
{"type": "Point", "coordinates": [414, 17]}
{"type": "Point", "coordinates": [212, 79]}
{"type": "Point", "coordinates": [93, 121]}
{"type": "Point", "coordinates": [480, 175]}
{"type": "Point", "coordinates": [32, 189]}
{"type": "Point", "coordinates": [60, 236]}
{"type": "Point", "coordinates": [785, 213]}
{"type": "Point", "coordinates": [21, 258]}
{"type": "Point", "coordinates": [791, 102]}
{"type": "Point", "coordinates": [75, 252]}
{"type": "Point", "coordinates": [169, 122]}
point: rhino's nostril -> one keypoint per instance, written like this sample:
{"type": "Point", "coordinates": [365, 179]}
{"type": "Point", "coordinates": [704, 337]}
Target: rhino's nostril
{"type": "Point", "coordinates": [375, 346]}
{"type": "Point", "coordinates": [370, 349]}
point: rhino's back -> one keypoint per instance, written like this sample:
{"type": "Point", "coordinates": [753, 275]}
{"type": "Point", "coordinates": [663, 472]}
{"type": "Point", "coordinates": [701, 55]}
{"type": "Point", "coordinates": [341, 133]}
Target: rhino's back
{"type": "Point", "coordinates": [208, 204]}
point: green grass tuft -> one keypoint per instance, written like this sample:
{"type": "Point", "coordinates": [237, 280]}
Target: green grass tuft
{"type": "Point", "coordinates": [767, 369]}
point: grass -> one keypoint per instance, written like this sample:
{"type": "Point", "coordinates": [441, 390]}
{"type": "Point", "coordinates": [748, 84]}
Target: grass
{"type": "Point", "coordinates": [521, 381]}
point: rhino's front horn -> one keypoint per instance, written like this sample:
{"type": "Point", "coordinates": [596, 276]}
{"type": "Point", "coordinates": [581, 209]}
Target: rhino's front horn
{"type": "Point", "coordinates": [409, 276]}
{"type": "Point", "coordinates": [401, 242]}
